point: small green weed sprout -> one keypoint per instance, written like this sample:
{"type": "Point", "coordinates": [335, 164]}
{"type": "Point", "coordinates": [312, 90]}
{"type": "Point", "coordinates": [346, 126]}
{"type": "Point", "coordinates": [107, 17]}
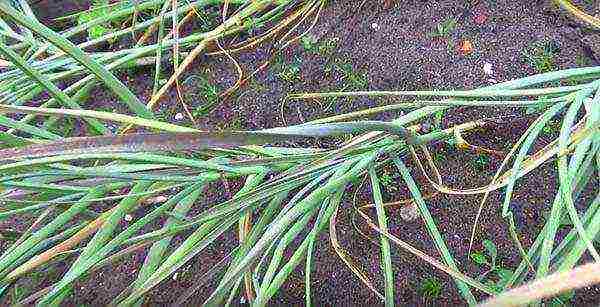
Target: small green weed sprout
{"type": "Point", "coordinates": [388, 181]}
{"type": "Point", "coordinates": [309, 43]}
{"type": "Point", "coordinates": [207, 93]}
{"type": "Point", "coordinates": [489, 259]}
{"type": "Point", "coordinates": [582, 61]}
{"type": "Point", "coordinates": [353, 78]}
{"type": "Point", "coordinates": [444, 29]}
{"type": "Point", "coordinates": [550, 127]}
{"type": "Point", "coordinates": [101, 8]}
{"type": "Point", "coordinates": [430, 288]}
{"type": "Point", "coordinates": [323, 48]}
{"type": "Point", "coordinates": [289, 72]}
{"type": "Point", "coordinates": [437, 119]}
{"type": "Point", "coordinates": [482, 161]}
{"type": "Point", "coordinates": [438, 157]}
{"type": "Point", "coordinates": [541, 56]}
{"type": "Point", "coordinates": [97, 9]}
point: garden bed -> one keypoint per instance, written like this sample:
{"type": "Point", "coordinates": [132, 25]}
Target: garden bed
{"type": "Point", "coordinates": [415, 45]}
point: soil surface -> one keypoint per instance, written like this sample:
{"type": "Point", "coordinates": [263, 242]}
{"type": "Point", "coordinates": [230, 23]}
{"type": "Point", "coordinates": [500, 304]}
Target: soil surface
{"type": "Point", "coordinates": [373, 48]}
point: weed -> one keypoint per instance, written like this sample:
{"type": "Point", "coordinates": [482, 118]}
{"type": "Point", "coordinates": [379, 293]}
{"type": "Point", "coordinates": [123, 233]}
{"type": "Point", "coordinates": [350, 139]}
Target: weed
{"type": "Point", "coordinates": [444, 29]}
{"type": "Point", "coordinates": [309, 43]}
{"type": "Point", "coordinates": [482, 161]}
{"type": "Point", "coordinates": [541, 56]}
{"type": "Point", "coordinates": [324, 48]}
{"type": "Point", "coordinates": [550, 127]}
{"type": "Point", "coordinates": [353, 78]}
{"type": "Point", "coordinates": [438, 157]}
{"type": "Point", "coordinates": [430, 288]}
{"type": "Point", "coordinates": [582, 61]}
{"type": "Point", "coordinates": [207, 93]}
{"type": "Point", "coordinates": [388, 181]}
{"type": "Point", "coordinates": [18, 293]}
{"type": "Point", "coordinates": [289, 72]}
{"type": "Point", "coordinates": [327, 47]}
{"type": "Point", "coordinates": [437, 119]}
{"type": "Point", "coordinates": [489, 259]}
{"type": "Point", "coordinates": [98, 9]}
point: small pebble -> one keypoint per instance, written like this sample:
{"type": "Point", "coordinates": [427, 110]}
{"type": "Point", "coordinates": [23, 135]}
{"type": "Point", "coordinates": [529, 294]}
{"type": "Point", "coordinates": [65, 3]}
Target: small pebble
{"type": "Point", "coordinates": [375, 26]}
{"type": "Point", "coordinates": [175, 276]}
{"type": "Point", "coordinates": [409, 212]}
{"type": "Point", "coordinates": [179, 116]}
{"type": "Point", "coordinates": [488, 69]}
{"type": "Point", "coordinates": [129, 217]}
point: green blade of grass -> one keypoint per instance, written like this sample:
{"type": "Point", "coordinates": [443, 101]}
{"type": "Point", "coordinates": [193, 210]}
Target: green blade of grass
{"type": "Point", "coordinates": [282, 244]}
{"type": "Point", "coordinates": [65, 45]}
{"type": "Point", "coordinates": [386, 257]}
{"type": "Point", "coordinates": [433, 230]}
{"type": "Point", "coordinates": [195, 243]}
{"type": "Point", "coordinates": [582, 179]}
{"type": "Point", "coordinates": [71, 197]}
{"type": "Point", "coordinates": [52, 89]}
{"type": "Point", "coordinates": [8, 258]}
{"type": "Point", "coordinates": [266, 217]}
{"type": "Point", "coordinates": [197, 140]}
{"type": "Point", "coordinates": [138, 157]}
{"type": "Point", "coordinates": [576, 252]}
{"type": "Point", "coordinates": [96, 243]}
{"type": "Point", "coordinates": [107, 116]}
{"type": "Point", "coordinates": [278, 226]}
{"type": "Point", "coordinates": [34, 131]}
{"type": "Point", "coordinates": [325, 212]}
{"type": "Point", "coordinates": [566, 175]}
{"type": "Point", "coordinates": [479, 93]}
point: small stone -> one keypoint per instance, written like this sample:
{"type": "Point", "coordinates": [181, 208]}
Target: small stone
{"type": "Point", "coordinates": [375, 26]}
{"type": "Point", "coordinates": [466, 47]}
{"type": "Point", "coordinates": [175, 276]}
{"type": "Point", "coordinates": [488, 69]}
{"type": "Point", "coordinates": [128, 217]}
{"type": "Point", "coordinates": [179, 116]}
{"type": "Point", "coordinates": [409, 212]}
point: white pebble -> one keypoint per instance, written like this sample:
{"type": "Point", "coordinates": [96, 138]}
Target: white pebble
{"type": "Point", "coordinates": [488, 69]}
{"type": "Point", "coordinates": [409, 212]}
{"type": "Point", "coordinates": [179, 116]}
{"type": "Point", "coordinates": [375, 26]}
{"type": "Point", "coordinates": [129, 217]}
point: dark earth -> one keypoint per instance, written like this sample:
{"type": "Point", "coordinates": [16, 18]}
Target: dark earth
{"type": "Point", "coordinates": [376, 48]}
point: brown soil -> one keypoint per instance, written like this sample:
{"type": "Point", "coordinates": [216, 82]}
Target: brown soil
{"type": "Point", "coordinates": [393, 49]}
